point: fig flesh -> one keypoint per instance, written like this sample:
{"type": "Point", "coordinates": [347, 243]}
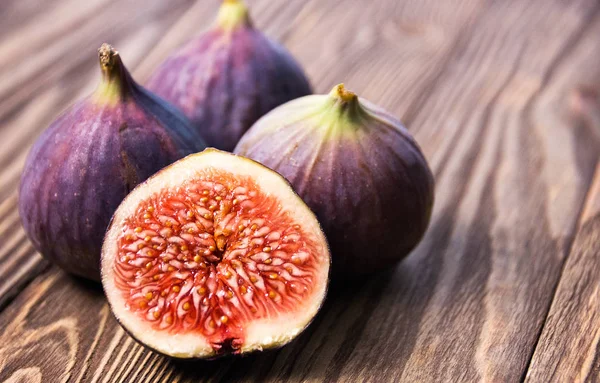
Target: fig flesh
{"type": "Point", "coordinates": [357, 168]}
{"type": "Point", "coordinates": [214, 255]}
{"type": "Point", "coordinates": [228, 77]}
{"type": "Point", "coordinates": [89, 158]}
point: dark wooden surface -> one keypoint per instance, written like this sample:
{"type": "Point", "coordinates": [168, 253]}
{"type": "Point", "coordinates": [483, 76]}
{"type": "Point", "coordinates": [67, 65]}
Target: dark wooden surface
{"type": "Point", "coordinates": [506, 284]}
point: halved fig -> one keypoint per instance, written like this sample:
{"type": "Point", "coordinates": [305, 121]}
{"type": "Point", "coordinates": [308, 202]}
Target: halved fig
{"type": "Point", "coordinates": [214, 255]}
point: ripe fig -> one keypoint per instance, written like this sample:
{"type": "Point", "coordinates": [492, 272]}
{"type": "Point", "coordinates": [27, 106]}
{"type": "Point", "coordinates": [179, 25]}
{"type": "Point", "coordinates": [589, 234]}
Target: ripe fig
{"type": "Point", "coordinates": [357, 168]}
{"type": "Point", "coordinates": [228, 77]}
{"type": "Point", "coordinates": [214, 255]}
{"type": "Point", "coordinates": [89, 158]}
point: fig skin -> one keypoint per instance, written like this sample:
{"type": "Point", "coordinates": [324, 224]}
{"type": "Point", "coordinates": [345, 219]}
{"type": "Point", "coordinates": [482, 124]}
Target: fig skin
{"type": "Point", "coordinates": [227, 78]}
{"type": "Point", "coordinates": [84, 164]}
{"type": "Point", "coordinates": [357, 168]}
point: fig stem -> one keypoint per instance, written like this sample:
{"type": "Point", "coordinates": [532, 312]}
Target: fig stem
{"type": "Point", "coordinates": [345, 104]}
{"type": "Point", "coordinates": [116, 81]}
{"type": "Point", "coordinates": [107, 56]}
{"type": "Point", "coordinates": [340, 92]}
{"type": "Point", "coordinates": [233, 14]}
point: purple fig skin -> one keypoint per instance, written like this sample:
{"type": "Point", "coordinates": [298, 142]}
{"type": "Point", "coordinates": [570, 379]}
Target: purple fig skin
{"type": "Point", "coordinates": [357, 168]}
{"type": "Point", "coordinates": [85, 163]}
{"type": "Point", "coordinates": [229, 77]}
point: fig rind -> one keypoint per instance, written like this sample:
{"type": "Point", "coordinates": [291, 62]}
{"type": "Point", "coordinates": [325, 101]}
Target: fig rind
{"type": "Point", "coordinates": [228, 77]}
{"type": "Point", "coordinates": [357, 168]}
{"type": "Point", "coordinates": [89, 158]}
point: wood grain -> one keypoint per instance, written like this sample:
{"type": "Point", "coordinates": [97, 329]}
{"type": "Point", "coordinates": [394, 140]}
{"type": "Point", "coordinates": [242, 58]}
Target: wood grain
{"type": "Point", "coordinates": [569, 348]}
{"type": "Point", "coordinates": [485, 88]}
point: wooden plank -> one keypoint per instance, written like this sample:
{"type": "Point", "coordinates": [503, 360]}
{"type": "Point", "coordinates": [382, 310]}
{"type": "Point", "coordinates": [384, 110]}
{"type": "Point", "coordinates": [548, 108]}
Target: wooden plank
{"type": "Point", "coordinates": [481, 84]}
{"type": "Point", "coordinates": [60, 53]}
{"type": "Point", "coordinates": [569, 347]}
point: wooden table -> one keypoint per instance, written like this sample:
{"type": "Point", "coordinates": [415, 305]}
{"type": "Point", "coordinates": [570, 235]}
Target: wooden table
{"type": "Point", "coordinates": [505, 286]}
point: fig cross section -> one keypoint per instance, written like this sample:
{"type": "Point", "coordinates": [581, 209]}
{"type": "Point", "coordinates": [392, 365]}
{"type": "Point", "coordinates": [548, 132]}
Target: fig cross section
{"type": "Point", "coordinates": [214, 255]}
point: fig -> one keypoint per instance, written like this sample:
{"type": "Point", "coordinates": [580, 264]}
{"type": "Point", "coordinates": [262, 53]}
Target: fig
{"type": "Point", "coordinates": [357, 168]}
{"type": "Point", "coordinates": [89, 158]}
{"type": "Point", "coordinates": [214, 255]}
{"type": "Point", "coordinates": [228, 77]}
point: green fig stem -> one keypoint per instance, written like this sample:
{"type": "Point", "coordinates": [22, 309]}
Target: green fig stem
{"type": "Point", "coordinates": [341, 93]}
{"type": "Point", "coordinates": [233, 14]}
{"type": "Point", "coordinates": [345, 105]}
{"type": "Point", "coordinates": [116, 82]}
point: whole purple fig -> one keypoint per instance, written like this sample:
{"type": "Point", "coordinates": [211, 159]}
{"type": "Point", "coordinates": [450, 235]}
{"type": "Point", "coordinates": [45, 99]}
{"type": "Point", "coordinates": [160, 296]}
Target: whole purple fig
{"type": "Point", "coordinates": [357, 168]}
{"type": "Point", "coordinates": [227, 78]}
{"type": "Point", "coordinates": [89, 158]}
